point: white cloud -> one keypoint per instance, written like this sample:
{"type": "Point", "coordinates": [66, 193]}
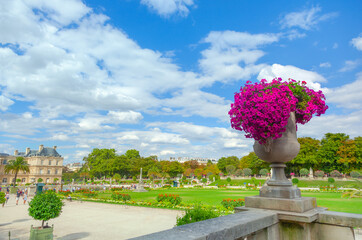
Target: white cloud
{"type": "Point", "coordinates": [349, 65]}
{"type": "Point", "coordinates": [306, 19]}
{"type": "Point", "coordinates": [335, 46]}
{"type": "Point", "coordinates": [165, 8]}
{"type": "Point", "coordinates": [167, 152]}
{"type": "Point", "coordinates": [348, 95]}
{"type": "Point", "coordinates": [325, 65]}
{"type": "Point", "coordinates": [232, 55]}
{"type": "Point", "coordinates": [5, 103]}
{"type": "Point", "coordinates": [313, 79]}
{"type": "Point", "coordinates": [235, 143]}
{"type": "Point", "coordinates": [357, 43]}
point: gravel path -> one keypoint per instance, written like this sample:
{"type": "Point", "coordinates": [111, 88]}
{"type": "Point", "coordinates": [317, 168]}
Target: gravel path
{"type": "Point", "coordinates": [88, 220]}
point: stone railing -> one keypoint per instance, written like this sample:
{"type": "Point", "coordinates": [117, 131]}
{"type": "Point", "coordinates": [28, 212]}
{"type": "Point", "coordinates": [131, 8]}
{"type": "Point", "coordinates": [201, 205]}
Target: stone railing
{"type": "Point", "coordinates": [249, 223]}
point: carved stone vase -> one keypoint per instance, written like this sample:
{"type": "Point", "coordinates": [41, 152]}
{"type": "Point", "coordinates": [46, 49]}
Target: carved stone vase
{"type": "Point", "coordinates": [278, 152]}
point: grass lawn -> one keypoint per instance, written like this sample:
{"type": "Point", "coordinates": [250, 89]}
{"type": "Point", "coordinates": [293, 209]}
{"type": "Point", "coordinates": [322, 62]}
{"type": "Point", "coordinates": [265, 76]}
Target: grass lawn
{"type": "Point", "coordinates": [332, 201]}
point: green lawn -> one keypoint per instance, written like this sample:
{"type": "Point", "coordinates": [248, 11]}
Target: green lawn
{"type": "Point", "coordinates": [332, 201]}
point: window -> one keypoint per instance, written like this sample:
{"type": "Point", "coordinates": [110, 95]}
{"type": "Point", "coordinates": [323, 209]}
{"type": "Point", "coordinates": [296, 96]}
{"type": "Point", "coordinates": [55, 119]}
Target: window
{"type": "Point", "coordinates": [42, 162]}
{"type": "Point", "coordinates": [5, 161]}
{"type": "Point", "coordinates": [57, 162]}
{"type": "Point", "coordinates": [50, 162]}
{"type": "Point", "coordinates": [32, 180]}
{"type": "Point", "coordinates": [40, 171]}
{"type": "Point", "coordinates": [23, 180]}
{"type": "Point", "coordinates": [48, 171]}
{"type": "Point", "coordinates": [5, 180]}
{"type": "Point", "coordinates": [56, 171]}
{"type": "Point", "coordinates": [48, 180]}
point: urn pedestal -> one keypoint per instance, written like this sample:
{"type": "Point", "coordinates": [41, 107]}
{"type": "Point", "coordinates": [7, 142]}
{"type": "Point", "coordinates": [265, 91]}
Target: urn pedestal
{"type": "Point", "coordinates": [279, 193]}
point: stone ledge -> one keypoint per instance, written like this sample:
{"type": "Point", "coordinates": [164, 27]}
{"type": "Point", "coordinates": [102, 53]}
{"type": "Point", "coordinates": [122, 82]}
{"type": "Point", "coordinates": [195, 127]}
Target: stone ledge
{"type": "Point", "coordinates": [341, 219]}
{"type": "Point", "coordinates": [299, 205]}
{"type": "Point", "coordinates": [232, 226]}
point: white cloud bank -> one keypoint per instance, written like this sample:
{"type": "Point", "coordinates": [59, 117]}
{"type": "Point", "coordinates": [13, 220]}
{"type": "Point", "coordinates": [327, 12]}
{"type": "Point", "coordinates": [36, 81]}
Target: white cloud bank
{"type": "Point", "coordinates": [357, 43]}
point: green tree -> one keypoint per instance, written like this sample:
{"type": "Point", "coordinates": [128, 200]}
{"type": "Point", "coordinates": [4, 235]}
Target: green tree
{"type": "Point", "coordinates": [307, 156]}
{"type": "Point", "coordinates": [225, 161]}
{"type": "Point", "coordinates": [253, 162]}
{"type": "Point", "coordinates": [100, 162]}
{"type": "Point", "coordinates": [230, 169]}
{"type": "Point", "coordinates": [327, 155]}
{"type": "Point", "coordinates": [175, 168]}
{"type": "Point", "coordinates": [14, 166]}
{"type": "Point", "coordinates": [133, 153]}
{"type": "Point", "coordinates": [45, 206]}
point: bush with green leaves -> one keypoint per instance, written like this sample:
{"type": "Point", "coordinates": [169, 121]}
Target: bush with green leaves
{"type": "Point", "coordinates": [228, 179]}
{"type": "Point", "coordinates": [303, 172]}
{"type": "Point", "coordinates": [239, 172]}
{"type": "Point", "coordinates": [204, 180]}
{"type": "Point", "coordinates": [230, 169]}
{"type": "Point", "coordinates": [263, 172]}
{"type": "Point", "coordinates": [319, 173]}
{"type": "Point", "coordinates": [198, 213]}
{"type": "Point", "coordinates": [247, 172]}
{"type": "Point", "coordinates": [335, 173]}
{"type": "Point", "coordinates": [355, 174]}
{"type": "Point", "coordinates": [211, 177]}
{"type": "Point", "coordinates": [40, 180]}
{"type": "Point", "coordinates": [45, 206]}
{"type": "Point", "coordinates": [295, 181]}
{"type": "Point", "coordinates": [331, 180]}
{"type": "Point", "coordinates": [120, 196]}
{"type": "Point", "coordinates": [2, 197]}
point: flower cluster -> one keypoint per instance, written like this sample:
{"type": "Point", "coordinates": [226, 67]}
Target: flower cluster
{"type": "Point", "coordinates": [172, 198]}
{"type": "Point", "coordinates": [229, 203]}
{"type": "Point", "coordinates": [120, 196]}
{"type": "Point", "coordinates": [262, 109]}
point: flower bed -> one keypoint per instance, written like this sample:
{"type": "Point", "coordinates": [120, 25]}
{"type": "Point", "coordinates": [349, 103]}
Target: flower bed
{"type": "Point", "coordinates": [171, 198]}
{"type": "Point", "coordinates": [120, 196]}
{"type": "Point", "coordinates": [229, 203]}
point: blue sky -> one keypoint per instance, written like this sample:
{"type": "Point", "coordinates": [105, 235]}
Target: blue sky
{"type": "Point", "coordinates": [159, 75]}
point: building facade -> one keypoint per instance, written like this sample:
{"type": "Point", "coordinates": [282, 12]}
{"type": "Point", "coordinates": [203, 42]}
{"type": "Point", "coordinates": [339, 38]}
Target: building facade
{"type": "Point", "coordinates": [45, 163]}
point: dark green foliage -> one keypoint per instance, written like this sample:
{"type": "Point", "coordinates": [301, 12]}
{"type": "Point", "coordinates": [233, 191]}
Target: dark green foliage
{"type": "Point", "coordinates": [331, 180]}
{"type": "Point", "coordinates": [40, 180]}
{"type": "Point", "coordinates": [228, 179]}
{"type": "Point", "coordinates": [295, 181]}
{"type": "Point", "coordinates": [2, 197]}
{"type": "Point", "coordinates": [204, 180]}
{"type": "Point", "coordinates": [198, 213]}
{"type": "Point", "coordinates": [14, 166]}
{"type": "Point", "coordinates": [45, 206]}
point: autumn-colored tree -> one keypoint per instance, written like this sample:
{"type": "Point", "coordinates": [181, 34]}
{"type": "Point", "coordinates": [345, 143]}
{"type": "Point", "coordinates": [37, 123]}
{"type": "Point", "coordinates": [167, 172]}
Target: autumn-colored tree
{"type": "Point", "coordinates": [348, 156]}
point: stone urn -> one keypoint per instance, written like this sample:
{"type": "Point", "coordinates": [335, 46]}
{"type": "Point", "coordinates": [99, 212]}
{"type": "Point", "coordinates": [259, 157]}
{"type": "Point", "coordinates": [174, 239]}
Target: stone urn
{"type": "Point", "coordinates": [278, 152]}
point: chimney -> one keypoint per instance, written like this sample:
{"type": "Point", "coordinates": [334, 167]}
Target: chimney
{"type": "Point", "coordinates": [55, 147]}
{"type": "Point", "coordinates": [16, 152]}
{"type": "Point", "coordinates": [41, 147]}
{"type": "Point", "coordinates": [27, 151]}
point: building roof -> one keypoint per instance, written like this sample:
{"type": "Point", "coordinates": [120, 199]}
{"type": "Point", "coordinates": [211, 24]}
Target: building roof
{"type": "Point", "coordinates": [46, 152]}
{"type": "Point", "coordinates": [4, 154]}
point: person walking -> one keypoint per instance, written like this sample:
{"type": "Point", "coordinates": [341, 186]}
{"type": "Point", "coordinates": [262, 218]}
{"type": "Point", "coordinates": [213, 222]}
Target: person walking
{"type": "Point", "coordinates": [7, 196]}
{"type": "Point", "coordinates": [25, 197]}
{"type": "Point", "coordinates": [18, 194]}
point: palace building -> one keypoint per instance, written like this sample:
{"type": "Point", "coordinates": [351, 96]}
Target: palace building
{"type": "Point", "coordinates": [45, 163]}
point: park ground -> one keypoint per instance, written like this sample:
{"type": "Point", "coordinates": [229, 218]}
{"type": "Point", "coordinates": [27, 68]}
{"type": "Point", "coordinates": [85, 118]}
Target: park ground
{"type": "Point", "coordinates": [87, 220]}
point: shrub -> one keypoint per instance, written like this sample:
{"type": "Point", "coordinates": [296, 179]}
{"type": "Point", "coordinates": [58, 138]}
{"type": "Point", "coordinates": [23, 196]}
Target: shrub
{"type": "Point", "coordinates": [40, 180]}
{"type": "Point", "coordinates": [335, 173]}
{"type": "Point", "coordinates": [303, 172]}
{"type": "Point", "coordinates": [331, 180]}
{"type": "Point", "coordinates": [228, 179]}
{"type": "Point", "coordinates": [45, 206]}
{"type": "Point", "coordinates": [247, 172]}
{"type": "Point", "coordinates": [355, 174]}
{"type": "Point", "coordinates": [204, 180]}
{"type": "Point", "coordinates": [198, 213]}
{"type": "Point", "coordinates": [230, 169]}
{"type": "Point", "coordinates": [2, 197]}
{"type": "Point", "coordinates": [231, 203]}
{"type": "Point", "coordinates": [319, 173]}
{"type": "Point", "coordinates": [211, 177]}
{"type": "Point", "coordinates": [295, 181]}
{"type": "Point", "coordinates": [239, 172]}
{"type": "Point", "coordinates": [172, 198]}
{"type": "Point", "coordinates": [263, 172]}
